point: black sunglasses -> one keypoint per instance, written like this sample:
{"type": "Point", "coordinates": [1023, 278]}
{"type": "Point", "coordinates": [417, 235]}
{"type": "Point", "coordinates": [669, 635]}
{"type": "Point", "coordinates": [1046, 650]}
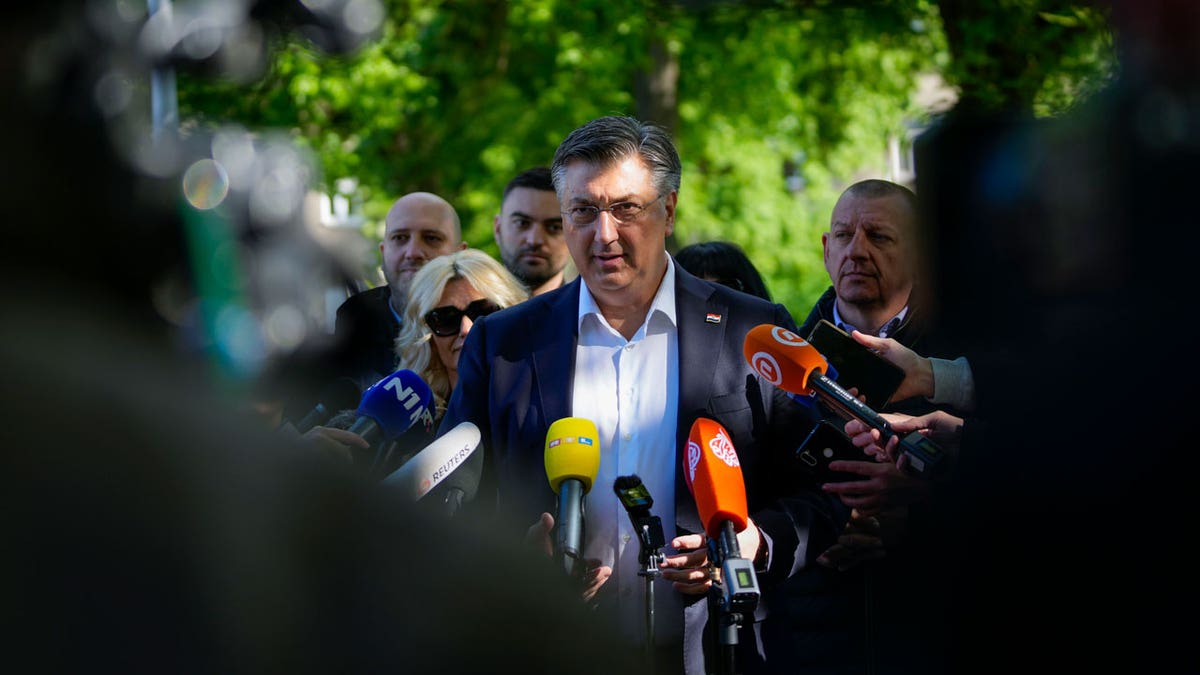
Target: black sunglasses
{"type": "Point", "coordinates": [445, 321]}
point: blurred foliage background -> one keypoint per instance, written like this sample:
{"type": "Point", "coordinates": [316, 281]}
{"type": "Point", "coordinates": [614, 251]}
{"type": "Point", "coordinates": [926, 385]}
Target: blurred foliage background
{"type": "Point", "coordinates": [775, 106]}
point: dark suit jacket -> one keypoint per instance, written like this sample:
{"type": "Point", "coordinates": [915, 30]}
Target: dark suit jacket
{"type": "Point", "coordinates": [365, 332]}
{"type": "Point", "coordinates": [515, 379]}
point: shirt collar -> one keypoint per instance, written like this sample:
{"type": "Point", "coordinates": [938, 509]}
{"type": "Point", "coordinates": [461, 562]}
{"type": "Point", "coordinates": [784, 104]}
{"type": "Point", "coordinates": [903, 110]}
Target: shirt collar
{"type": "Point", "coordinates": [662, 305]}
{"type": "Point", "coordinates": [888, 328]}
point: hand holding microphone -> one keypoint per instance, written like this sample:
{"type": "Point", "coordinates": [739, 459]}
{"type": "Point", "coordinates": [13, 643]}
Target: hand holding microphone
{"type": "Point", "coordinates": [790, 363]}
{"type": "Point", "coordinates": [387, 409]}
{"type": "Point", "coordinates": [713, 474]}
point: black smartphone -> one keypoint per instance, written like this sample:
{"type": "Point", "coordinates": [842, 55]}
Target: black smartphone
{"type": "Point", "coordinates": [825, 443]}
{"type": "Point", "coordinates": [856, 366]}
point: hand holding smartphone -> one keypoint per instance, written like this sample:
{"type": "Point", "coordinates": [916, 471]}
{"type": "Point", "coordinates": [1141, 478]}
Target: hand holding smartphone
{"type": "Point", "coordinates": [875, 377]}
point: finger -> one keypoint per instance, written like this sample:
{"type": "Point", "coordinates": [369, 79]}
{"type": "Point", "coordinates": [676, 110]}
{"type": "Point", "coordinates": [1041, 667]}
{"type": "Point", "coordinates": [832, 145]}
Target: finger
{"type": "Point", "coordinates": [694, 589]}
{"type": "Point", "coordinates": [687, 575]}
{"type": "Point", "coordinates": [855, 466]}
{"type": "Point", "coordinates": [688, 542]}
{"type": "Point", "coordinates": [693, 559]}
{"type": "Point", "coordinates": [341, 436]}
{"type": "Point", "coordinates": [849, 487]}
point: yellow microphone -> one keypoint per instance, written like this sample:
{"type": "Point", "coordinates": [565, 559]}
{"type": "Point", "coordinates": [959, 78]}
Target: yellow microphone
{"type": "Point", "coordinates": [572, 461]}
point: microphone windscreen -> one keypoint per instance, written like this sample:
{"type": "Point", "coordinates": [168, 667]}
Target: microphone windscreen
{"type": "Point", "coordinates": [782, 357]}
{"type": "Point", "coordinates": [396, 402]}
{"type": "Point", "coordinates": [436, 462]}
{"type": "Point", "coordinates": [714, 475]}
{"type": "Point", "coordinates": [572, 451]}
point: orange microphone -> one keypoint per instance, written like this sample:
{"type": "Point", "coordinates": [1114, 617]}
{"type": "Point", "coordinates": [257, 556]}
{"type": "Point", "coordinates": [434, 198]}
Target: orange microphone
{"type": "Point", "coordinates": [714, 476]}
{"type": "Point", "coordinates": [787, 361]}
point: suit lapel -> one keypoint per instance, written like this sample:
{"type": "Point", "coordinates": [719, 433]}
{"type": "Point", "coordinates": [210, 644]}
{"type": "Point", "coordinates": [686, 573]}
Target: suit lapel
{"type": "Point", "coordinates": [554, 358]}
{"type": "Point", "coordinates": [701, 320]}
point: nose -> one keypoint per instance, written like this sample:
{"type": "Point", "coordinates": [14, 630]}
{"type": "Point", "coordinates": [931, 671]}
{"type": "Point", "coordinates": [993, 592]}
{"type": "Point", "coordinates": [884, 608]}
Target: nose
{"type": "Point", "coordinates": [606, 228]}
{"type": "Point", "coordinates": [533, 236]}
{"type": "Point", "coordinates": [464, 326]}
{"type": "Point", "coordinates": [859, 244]}
{"type": "Point", "coordinates": [414, 251]}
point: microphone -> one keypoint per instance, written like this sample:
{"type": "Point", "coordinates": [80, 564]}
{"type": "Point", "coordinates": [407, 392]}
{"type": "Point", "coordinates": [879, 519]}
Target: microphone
{"type": "Point", "coordinates": [572, 460]}
{"type": "Point", "coordinates": [636, 499]}
{"type": "Point", "coordinates": [340, 394]}
{"type": "Point", "coordinates": [713, 475]}
{"type": "Point", "coordinates": [789, 362]}
{"type": "Point", "coordinates": [435, 462]}
{"type": "Point", "coordinates": [388, 408]}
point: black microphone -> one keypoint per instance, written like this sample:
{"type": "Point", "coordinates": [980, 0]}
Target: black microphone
{"type": "Point", "coordinates": [637, 501]}
{"type": "Point", "coordinates": [340, 394]}
{"type": "Point", "coordinates": [461, 485]}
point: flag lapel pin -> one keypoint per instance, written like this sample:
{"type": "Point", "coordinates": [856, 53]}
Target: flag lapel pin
{"type": "Point", "coordinates": [713, 318]}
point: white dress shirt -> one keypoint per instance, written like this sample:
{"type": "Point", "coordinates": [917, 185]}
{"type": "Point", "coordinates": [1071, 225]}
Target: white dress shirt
{"type": "Point", "coordinates": [630, 389]}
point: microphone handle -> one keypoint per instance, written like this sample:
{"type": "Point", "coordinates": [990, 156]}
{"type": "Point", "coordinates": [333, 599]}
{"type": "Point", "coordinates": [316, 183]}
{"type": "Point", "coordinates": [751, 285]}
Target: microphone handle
{"type": "Point", "coordinates": [569, 529]}
{"type": "Point", "coordinates": [727, 543]}
{"type": "Point", "coordinates": [924, 455]}
{"type": "Point", "coordinates": [847, 406]}
{"type": "Point", "coordinates": [318, 415]}
{"type": "Point", "coordinates": [371, 432]}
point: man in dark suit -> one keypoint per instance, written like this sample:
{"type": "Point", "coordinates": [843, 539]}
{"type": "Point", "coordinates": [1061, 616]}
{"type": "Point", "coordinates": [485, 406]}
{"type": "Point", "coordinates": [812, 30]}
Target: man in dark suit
{"type": "Point", "coordinates": [642, 348]}
{"type": "Point", "coordinates": [420, 226]}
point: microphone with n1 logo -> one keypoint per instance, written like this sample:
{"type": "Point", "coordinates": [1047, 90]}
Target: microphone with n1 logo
{"type": "Point", "coordinates": [387, 409]}
{"type": "Point", "coordinates": [572, 461]}
{"type": "Point", "coordinates": [435, 462]}
{"type": "Point", "coordinates": [789, 362]}
{"type": "Point", "coordinates": [714, 476]}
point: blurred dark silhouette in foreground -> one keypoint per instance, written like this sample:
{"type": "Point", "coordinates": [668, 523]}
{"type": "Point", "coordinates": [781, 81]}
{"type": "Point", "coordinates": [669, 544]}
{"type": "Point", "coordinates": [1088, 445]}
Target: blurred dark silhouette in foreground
{"type": "Point", "coordinates": [150, 525]}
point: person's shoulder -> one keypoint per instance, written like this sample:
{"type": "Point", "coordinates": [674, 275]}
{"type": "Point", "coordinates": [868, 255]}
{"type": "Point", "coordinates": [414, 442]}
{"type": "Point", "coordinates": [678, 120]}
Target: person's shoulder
{"type": "Point", "coordinates": [821, 309]}
{"type": "Point", "coordinates": [548, 303]}
{"type": "Point", "coordinates": [368, 301]}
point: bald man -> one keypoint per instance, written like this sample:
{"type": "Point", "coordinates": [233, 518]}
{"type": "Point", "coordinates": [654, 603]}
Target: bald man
{"type": "Point", "coordinates": [420, 226]}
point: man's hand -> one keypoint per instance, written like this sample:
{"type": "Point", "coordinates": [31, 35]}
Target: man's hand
{"type": "Point", "coordinates": [918, 371]}
{"type": "Point", "coordinates": [338, 443]}
{"type": "Point", "coordinates": [690, 571]}
{"type": "Point", "coordinates": [594, 574]}
{"type": "Point", "coordinates": [941, 427]}
{"type": "Point", "coordinates": [865, 538]}
{"type": "Point", "coordinates": [885, 485]}
{"type": "Point", "coordinates": [538, 534]}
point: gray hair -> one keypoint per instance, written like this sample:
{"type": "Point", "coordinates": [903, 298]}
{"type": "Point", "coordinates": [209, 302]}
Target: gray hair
{"type": "Point", "coordinates": [875, 188]}
{"type": "Point", "coordinates": [607, 140]}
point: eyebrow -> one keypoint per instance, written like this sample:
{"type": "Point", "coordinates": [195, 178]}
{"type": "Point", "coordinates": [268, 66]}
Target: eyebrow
{"type": "Point", "coordinates": [522, 214]}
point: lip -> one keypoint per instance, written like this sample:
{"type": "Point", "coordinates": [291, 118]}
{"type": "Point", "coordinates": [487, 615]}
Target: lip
{"type": "Point", "coordinates": [609, 261]}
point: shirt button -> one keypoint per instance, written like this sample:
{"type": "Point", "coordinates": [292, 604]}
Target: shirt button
{"type": "Point", "coordinates": [627, 436]}
{"type": "Point", "coordinates": [625, 538]}
{"type": "Point", "coordinates": [629, 347]}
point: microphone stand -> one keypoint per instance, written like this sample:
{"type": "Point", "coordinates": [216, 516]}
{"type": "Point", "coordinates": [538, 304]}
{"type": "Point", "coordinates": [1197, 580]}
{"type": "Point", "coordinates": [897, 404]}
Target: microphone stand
{"type": "Point", "coordinates": [650, 542]}
{"type": "Point", "coordinates": [735, 593]}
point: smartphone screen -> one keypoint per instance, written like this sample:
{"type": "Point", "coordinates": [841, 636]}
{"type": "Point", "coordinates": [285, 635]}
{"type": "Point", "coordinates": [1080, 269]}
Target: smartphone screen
{"type": "Point", "coordinates": [856, 366]}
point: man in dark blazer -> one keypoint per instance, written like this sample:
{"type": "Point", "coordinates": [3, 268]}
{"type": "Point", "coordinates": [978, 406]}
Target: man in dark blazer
{"type": "Point", "coordinates": [420, 226]}
{"type": "Point", "coordinates": [545, 359]}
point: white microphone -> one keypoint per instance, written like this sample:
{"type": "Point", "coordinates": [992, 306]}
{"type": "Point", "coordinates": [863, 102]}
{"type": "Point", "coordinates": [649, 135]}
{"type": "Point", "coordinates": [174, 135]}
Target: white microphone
{"type": "Point", "coordinates": [434, 463]}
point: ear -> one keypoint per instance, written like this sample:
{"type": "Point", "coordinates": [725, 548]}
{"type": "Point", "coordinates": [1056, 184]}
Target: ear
{"type": "Point", "coordinates": [381, 248]}
{"type": "Point", "coordinates": [669, 202]}
{"type": "Point", "coordinates": [825, 246]}
{"type": "Point", "coordinates": [463, 246]}
{"type": "Point", "coordinates": [496, 228]}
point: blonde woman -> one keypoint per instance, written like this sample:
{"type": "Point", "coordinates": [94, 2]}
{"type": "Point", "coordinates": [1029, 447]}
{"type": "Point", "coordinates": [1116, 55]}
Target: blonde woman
{"type": "Point", "coordinates": [446, 296]}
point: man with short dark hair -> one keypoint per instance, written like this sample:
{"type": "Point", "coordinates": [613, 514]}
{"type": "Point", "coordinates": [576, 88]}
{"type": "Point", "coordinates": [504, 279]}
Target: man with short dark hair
{"type": "Point", "coordinates": [529, 231]}
{"type": "Point", "coordinates": [643, 349]}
